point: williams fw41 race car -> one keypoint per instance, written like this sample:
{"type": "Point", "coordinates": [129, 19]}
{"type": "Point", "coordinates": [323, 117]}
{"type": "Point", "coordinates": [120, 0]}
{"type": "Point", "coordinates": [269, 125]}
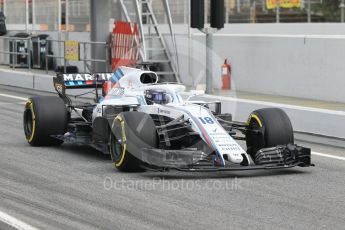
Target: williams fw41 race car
{"type": "Point", "coordinates": [144, 124]}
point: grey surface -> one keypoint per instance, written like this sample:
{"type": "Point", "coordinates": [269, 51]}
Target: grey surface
{"type": "Point", "coordinates": [26, 79]}
{"type": "Point", "coordinates": [63, 188]}
{"type": "Point", "coordinates": [270, 28]}
{"type": "Point", "coordinates": [300, 60]}
{"type": "Point", "coordinates": [293, 65]}
{"type": "Point", "coordinates": [4, 226]}
{"type": "Point", "coordinates": [32, 80]}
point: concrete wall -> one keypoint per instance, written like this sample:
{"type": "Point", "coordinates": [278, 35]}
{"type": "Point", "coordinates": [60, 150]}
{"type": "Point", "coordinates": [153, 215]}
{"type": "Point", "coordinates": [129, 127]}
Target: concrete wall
{"type": "Point", "coordinates": [271, 28]}
{"type": "Point", "coordinates": [299, 60]}
{"type": "Point", "coordinates": [306, 67]}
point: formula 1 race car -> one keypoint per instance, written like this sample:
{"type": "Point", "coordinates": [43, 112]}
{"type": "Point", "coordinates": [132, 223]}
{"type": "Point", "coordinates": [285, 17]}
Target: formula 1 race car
{"type": "Point", "coordinates": [144, 124]}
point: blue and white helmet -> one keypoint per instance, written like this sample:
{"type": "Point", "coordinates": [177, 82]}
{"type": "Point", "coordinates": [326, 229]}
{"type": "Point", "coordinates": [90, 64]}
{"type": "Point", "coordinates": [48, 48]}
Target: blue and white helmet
{"type": "Point", "coordinates": [157, 96]}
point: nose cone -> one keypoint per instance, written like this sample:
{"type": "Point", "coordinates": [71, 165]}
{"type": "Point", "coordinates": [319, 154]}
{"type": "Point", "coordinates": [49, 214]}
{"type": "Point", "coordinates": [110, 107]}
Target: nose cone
{"type": "Point", "coordinates": [235, 158]}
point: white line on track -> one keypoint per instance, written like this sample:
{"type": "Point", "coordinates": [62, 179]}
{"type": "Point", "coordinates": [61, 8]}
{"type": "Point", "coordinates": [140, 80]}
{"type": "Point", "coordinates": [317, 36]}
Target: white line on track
{"type": "Point", "coordinates": [14, 97]}
{"type": "Point", "coordinates": [328, 156]}
{"type": "Point", "coordinates": [15, 223]}
{"type": "Point", "coordinates": [272, 104]}
{"type": "Point", "coordinates": [15, 103]}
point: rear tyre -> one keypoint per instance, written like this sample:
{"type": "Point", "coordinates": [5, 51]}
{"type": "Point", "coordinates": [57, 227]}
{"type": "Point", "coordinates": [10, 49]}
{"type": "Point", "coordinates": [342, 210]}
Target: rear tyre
{"type": "Point", "coordinates": [131, 132]}
{"type": "Point", "coordinates": [44, 117]}
{"type": "Point", "coordinates": [275, 129]}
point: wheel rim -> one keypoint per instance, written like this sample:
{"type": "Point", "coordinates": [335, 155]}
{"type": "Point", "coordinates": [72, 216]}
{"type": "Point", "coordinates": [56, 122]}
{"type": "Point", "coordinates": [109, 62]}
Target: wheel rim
{"type": "Point", "coordinates": [253, 141]}
{"type": "Point", "coordinates": [116, 148]}
{"type": "Point", "coordinates": [28, 123]}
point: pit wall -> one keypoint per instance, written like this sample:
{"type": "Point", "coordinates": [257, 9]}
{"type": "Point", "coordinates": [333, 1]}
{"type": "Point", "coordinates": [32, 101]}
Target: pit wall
{"type": "Point", "coordinates": [298, 60]}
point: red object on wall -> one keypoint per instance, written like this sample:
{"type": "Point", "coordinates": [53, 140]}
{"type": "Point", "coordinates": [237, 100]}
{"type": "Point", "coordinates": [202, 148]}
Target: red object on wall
{"type": "Point", "coordinates": [226, 75]}
{"type": "Point", "coordinates": [125, 45]}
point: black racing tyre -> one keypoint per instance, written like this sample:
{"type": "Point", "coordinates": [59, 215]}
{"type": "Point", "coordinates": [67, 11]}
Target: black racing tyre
{"type": "Point", "coordinates": [43, 117]}
{"type": "Point", "coordinates": [130, 132]}
{"type": "Point", "coordinates": [275, 126]}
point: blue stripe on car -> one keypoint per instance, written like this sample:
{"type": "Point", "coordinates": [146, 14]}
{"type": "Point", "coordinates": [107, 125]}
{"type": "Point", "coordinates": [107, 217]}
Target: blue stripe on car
{"type": "Point", "coordinates": [205, 135]}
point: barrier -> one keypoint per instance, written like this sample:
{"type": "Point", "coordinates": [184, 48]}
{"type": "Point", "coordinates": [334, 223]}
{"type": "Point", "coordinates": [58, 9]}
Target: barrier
{"type": "Point", "coordinates": [295, 65]}
{"type": "Point", "coordinates": [12, 50]}
{"type": "Point", "coordinates": [124, 49]}
{"type": "Point", "coordinates": [82, 49]}
{"type": "Point", "coordinates": [9, 47]}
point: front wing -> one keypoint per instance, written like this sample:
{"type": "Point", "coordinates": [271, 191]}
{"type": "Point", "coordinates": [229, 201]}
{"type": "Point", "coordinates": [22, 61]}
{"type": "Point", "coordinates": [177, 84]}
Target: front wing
{"type": "Point", "coordinates": [192, 160]}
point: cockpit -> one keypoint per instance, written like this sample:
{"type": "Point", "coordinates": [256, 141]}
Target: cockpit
{"type": "Point", "coordinates": [157, 96]}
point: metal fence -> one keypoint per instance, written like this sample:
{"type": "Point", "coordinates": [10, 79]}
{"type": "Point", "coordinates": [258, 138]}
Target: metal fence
{"type": "Point", "coordinates": [74, 15]}
{"type": "Point", "coordinates": [12, 51]}
{"type": "Point", "coordinates": [84, 55]}
{"type": "Point", "coordinates": [260, 11]}
{"type": "Point", "coordinates": [18, 52]}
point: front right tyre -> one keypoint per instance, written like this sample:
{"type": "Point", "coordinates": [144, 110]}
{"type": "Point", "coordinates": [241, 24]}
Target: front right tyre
{"type": "Point", "coordinates": [274, 128]}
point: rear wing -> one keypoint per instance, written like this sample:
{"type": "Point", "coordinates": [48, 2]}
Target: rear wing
{"type": "Point", "coordinates": [80, 81]}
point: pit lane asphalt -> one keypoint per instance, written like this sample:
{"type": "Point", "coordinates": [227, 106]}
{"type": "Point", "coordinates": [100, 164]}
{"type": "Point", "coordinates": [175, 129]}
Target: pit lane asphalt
{"type": "Point", "coordinates": [76, 187]}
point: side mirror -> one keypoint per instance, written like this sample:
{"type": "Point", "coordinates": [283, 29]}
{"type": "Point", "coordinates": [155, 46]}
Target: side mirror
{"type": "Point", "coordinates": [195, 93]}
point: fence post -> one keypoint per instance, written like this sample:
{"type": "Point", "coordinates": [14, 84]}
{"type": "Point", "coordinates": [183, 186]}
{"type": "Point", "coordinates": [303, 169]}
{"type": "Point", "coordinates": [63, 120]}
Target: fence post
{"type": "Point", "coordinates": [84, 50]}
{"type": "Point", "coordinates": [342, 12]}
{"type": "Point", "coordinates": [13, 52]}
{"type": "Point", "coordinates": [278, 12]}
{"type": "Point", "coordinates": [28, 53]}
{"type": "Point", "coordinates": [106, 58]}
{"type": "Point", "coordinates": [64, 59]}
{"type": "Point", "coordinates": [309, 11]}
{"type": "Point", "coordinates": [46, 57]}
{"type": "Point", "coordinates": [209, 60]}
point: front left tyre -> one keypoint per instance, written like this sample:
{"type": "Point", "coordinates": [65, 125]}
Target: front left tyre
{"type": "Point", "coordinates": [130, 133]}
{"type": "Point", "coordinates": [44, 116]}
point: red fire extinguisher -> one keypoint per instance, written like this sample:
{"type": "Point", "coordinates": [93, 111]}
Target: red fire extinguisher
{"type": "Point", "coordinates": [226, 75]}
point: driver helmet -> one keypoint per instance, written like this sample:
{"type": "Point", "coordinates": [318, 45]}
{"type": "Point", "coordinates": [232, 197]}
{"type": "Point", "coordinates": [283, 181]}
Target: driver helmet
{"type": "Point", "coordinates": [157, 97]}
